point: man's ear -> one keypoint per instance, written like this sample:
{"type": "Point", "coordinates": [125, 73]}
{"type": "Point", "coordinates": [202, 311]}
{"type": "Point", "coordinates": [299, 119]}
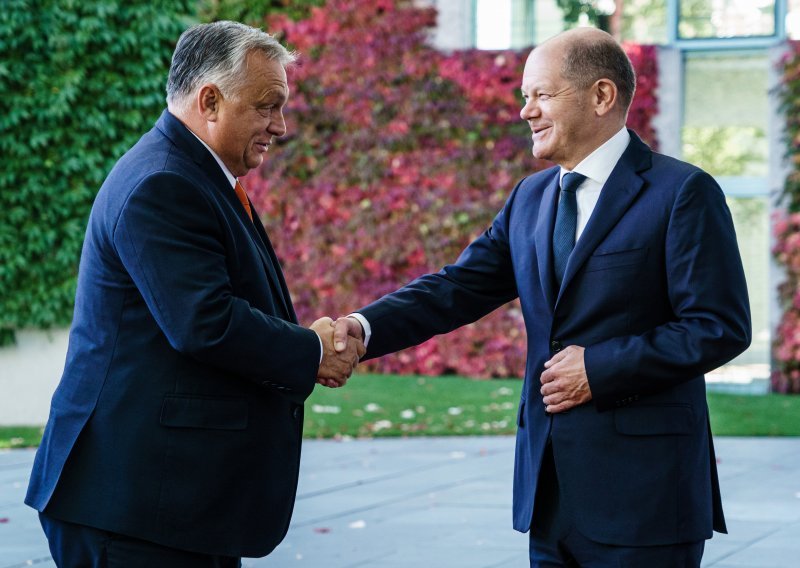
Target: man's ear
{"type": "Point", "coordinates": [606, 96]}
{"type": "Point", "coordinates": [208, 102]}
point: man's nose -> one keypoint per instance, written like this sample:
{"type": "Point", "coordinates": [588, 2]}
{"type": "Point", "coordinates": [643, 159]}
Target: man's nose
{"type": "Point", "coordinates": [529, 111]}
{"type": "Point", "coordinates": [277, 125]}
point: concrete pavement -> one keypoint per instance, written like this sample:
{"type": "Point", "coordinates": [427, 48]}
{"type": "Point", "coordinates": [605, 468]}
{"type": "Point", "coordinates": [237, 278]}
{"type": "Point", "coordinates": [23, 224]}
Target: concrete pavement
{"type": "Point", "coordinates": [442, 502]}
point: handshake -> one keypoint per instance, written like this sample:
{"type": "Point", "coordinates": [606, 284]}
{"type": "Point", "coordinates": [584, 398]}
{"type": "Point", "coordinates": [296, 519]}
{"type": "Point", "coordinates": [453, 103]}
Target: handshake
{"type": "Point", "coordinates": [342, 348]}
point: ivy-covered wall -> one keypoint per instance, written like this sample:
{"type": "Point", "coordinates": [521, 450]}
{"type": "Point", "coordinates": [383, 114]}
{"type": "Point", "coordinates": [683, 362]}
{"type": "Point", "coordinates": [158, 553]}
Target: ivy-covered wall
{"type": "Point", "coordinates": [80, 81]}
{"type": "Point", "coordinates": [397, 154]}
{"type": "Point", "coordinates": [786, 228]}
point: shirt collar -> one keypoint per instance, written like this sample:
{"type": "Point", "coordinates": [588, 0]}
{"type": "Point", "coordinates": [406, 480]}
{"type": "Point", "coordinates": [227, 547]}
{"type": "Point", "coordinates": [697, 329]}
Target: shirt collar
{"type": "Point", "coordinates": [598, 165]}
{"type": "Point", "coordinates": [225, 170]}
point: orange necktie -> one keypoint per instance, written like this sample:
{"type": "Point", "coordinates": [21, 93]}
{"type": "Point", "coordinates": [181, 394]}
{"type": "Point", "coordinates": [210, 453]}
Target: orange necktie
{"type": "Point", "coordinates": [240, 193]}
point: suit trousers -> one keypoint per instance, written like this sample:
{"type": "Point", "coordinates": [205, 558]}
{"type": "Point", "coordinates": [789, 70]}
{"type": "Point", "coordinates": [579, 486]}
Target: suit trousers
{"type": "Point", "coordinates": [556, 543]}
{"type": "Point", "coordinates": [79, 546]}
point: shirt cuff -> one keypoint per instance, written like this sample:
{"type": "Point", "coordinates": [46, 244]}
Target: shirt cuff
{"type": "Point", "coordinates": [321, 349]}
{"type": "Point", "coordinates": [365, 324]}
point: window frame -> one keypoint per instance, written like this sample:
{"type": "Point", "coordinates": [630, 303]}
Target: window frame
{"type": "Point", "coordinates": [742, 42]}
{"type": "Point", "coordinates": [732, 186]}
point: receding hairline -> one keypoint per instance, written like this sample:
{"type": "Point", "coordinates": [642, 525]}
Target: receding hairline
{"type": "Point", "coordinates": [566, 44]}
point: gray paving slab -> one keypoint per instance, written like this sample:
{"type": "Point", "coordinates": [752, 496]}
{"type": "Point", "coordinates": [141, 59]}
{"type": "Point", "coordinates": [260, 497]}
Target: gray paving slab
{"type": "Point", "coordinates": [440, 502]}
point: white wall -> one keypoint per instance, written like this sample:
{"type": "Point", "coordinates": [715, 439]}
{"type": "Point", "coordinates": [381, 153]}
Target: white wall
{"type": "Point", "coordinates": [454, 24]}
{"type": "Point", "coordinates": [669, 95]}
{"type": "Point", "coordinates": [29, 373]}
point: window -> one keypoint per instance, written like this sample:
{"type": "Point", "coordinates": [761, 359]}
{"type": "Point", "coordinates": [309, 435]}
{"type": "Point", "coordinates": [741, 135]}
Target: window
{"type": "Point", "coordinates": [508, 24]}
{"type": "Point", "coordinates": [493, 24]}
{"type": "Point", "coordinates": [645, 21]}
{"type": "Point", "coordinates": [548, 20]}
{"type": "Point", "coordinates": [725, 132]}
{"type": "Point", "coordinates": [705, 19]}
{"type": "Point", "coordinates": [726, 112]}
{"type": "Point", "coordinates": [793, 19]}
{"type": "Point", "coordinates": [751, 219]}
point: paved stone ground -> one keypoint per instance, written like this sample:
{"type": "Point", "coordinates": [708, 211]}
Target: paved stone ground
{"type": "Point", "coordinates": [446, 502]}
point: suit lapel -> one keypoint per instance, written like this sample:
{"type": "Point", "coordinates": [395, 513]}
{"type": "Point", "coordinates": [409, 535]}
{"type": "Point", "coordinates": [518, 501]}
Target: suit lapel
{"type": "Point", "coordinates": [268, 258]}
{"type": "Point", "coordinates": [543, 237]}
{"type": "Point", "coordinates": [273, 268]}
{"type": "Point", "coordinates": [180, 135]}
{"type": "Point", "coordinates": [619, 191]}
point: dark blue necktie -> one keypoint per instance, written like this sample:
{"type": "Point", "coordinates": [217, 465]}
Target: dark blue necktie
{"type": "Point", "coordinates": [566, 223]}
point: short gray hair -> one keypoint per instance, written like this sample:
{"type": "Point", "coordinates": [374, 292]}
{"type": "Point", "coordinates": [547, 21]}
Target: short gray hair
{"type": "Point", "coordinates": [589, 59]}
{"type": "Point", "coordinates": [217, 53]}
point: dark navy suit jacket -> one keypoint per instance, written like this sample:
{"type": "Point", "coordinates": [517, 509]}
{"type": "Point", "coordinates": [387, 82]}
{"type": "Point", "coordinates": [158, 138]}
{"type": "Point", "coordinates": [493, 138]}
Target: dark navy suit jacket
{"type": "Point", "coordinates": [179, 415]}
{"type": "Point", "coordinates": [655, 292]}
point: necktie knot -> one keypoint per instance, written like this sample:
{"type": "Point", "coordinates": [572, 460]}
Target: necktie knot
{"type": "Point", "coordinates": [571, 181]}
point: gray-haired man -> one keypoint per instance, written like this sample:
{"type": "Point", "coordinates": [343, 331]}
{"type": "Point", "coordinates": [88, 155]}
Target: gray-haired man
{"type": "Point", "coordinates": [174, 434]}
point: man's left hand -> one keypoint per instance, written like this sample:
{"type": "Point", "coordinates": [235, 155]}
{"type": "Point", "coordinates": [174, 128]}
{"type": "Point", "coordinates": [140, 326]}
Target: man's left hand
{"type": "Point", "coordinates": [564, 381]}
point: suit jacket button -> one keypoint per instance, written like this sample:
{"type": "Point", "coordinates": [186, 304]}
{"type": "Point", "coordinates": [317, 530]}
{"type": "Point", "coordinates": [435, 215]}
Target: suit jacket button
{"type": "Point", "coordinates": [555, 346]}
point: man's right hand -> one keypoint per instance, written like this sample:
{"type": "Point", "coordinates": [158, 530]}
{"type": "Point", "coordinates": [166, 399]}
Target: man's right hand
{"type": "Point", "coordinates": [337, 364]}
{"type": "Point", "coordinates": [345, 329]}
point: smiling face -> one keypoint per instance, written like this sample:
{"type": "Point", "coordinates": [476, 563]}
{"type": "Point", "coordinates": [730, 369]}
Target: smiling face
{"type": "Point", "coordinates": [561, 115]}
{"type": "Point", "coordinates": [242, 125]}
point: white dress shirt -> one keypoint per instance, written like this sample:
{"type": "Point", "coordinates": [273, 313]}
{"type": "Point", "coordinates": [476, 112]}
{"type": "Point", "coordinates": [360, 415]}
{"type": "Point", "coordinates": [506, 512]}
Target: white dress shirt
{"type": "Point", "coordinates": [225, 170]}
{"type": "Point", "coordinates": [597, 168]}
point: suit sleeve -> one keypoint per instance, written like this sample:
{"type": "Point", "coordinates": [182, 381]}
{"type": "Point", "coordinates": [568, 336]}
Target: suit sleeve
{"type": "Point", "coordinates": [708, 294]}
{"type": "Point", "coordinates": [481, 280]}
{"type": "Point", "coordinates": [170, 240]}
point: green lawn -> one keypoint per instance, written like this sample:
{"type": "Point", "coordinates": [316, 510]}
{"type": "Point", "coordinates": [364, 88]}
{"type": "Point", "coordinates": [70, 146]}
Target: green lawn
{"type": "Point", "coordinates": [383, 405]}
{"type": "Point", "coordinates": [20, 436]}
{"type": "Point", "coordinates": [375, 405]}
{"type": "Point", "coordinates": [743, 415]}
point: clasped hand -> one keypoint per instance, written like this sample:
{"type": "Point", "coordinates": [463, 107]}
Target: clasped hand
{"type": "Point", "coordinates": [564, 381]}
{"type": "Point", "coordinates": [337, 364]}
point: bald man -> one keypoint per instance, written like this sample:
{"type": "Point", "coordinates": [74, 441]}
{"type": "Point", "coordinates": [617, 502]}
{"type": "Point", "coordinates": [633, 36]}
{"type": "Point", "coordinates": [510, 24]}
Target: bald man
{"type": "Point", "coordinates": [627, 268]}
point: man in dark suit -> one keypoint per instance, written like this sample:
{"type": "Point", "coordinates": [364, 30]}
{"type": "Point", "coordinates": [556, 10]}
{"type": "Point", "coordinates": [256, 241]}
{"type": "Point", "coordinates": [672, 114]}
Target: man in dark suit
{"type": "Point", "coordinates": [174, 434]}
{"type": "Point", "coordinates": [632, 288]}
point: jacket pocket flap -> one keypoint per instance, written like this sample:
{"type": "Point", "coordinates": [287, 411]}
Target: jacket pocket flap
{"type": "Point", "coordinates": [209, 413]}
{"type": "Point", "coordinates": [601, 261]}
{"type": "Point", "coordinates": [654, 420]}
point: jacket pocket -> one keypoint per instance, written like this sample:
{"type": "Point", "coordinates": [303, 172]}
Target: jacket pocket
{"type": "Point", "coordinates": [617, 259]}
{"type": "Point", "coordinates": [209, 413]}
{"type": "Point", "coordinates": [654, 420]}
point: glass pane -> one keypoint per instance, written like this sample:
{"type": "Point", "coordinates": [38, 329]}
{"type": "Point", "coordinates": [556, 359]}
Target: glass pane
{"type": "Point", "coordinates": [493, 24]}
{"type": "Point", "coordinates": [726, 18]}
{"type": "Point", "coordinates": [725, 123]}
{"type": "Point", "coordinates": [644, 21]}
{"type": "Point", "coordinates": [548, 19]}
{"type": "Point", "coordinates": [751, 220]}
{"type": "Point", "coordinates": [522, 24]}
{"type": "Point", "coordinates": [793, 19]}
{"type": "Point", "coordinates": [726, 113]}
{"type": "Point", "coordinates": [749, 372]}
